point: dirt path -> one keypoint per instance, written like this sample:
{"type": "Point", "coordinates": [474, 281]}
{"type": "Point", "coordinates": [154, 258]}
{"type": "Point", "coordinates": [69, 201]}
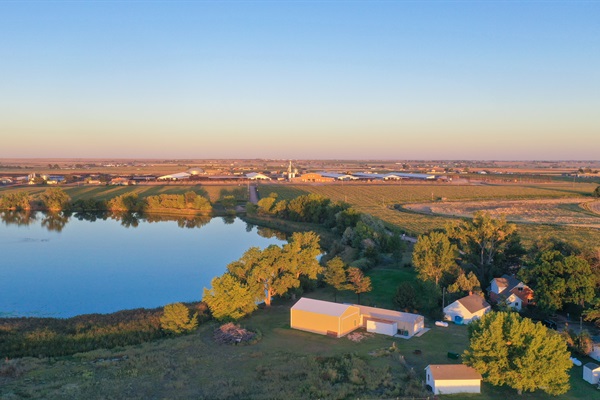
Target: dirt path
{"type": "Point", "coordinates": [253, 193]}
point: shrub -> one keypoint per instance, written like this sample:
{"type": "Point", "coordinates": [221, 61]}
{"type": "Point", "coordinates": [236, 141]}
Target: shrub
{"type": "Point", "coordinates": [176, 319]}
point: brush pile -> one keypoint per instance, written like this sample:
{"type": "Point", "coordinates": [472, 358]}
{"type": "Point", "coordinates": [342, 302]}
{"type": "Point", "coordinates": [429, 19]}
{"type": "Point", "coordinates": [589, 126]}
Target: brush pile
{"type": "Point", "coordinates": [232, 334]}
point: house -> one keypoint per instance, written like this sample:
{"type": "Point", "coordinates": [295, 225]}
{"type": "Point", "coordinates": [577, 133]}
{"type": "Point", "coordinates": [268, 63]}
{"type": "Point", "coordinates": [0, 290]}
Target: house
{"type": "Point", "coordinates": [467, 309]}
{"type": "Point", "coordinates": [510, 290]}
{"type": "Point", "coordinates": [324, 317]}
{"type": "Point", "coordinates": [452, 378]}
{"type": "Point", "coordinates": [390, 322]}
{"type": "Point", "coordinates": [591, 373]}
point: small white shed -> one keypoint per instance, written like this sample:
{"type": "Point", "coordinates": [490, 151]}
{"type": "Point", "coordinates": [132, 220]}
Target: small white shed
{"type": "Point", "coordinates": [591, 373]}
{"type": "Point", "coordinates": [452, 378]}
{"type": "Point", "coordinates": [382, 327]}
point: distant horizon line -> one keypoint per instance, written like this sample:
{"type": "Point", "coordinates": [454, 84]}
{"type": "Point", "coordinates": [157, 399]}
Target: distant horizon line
{"type": "Point", "coordinates": [298, 159]}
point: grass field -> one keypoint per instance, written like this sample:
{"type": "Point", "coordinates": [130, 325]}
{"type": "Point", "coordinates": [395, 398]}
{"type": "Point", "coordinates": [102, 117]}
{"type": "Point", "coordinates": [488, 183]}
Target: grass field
{"type": "Point", "coordinates": [277, 367]}
{"type": "Point", "coordinates": [379, 199]}
{"type": "Point", "coordinates": [103, 192]}
{"type": "Point", "coordinates": [539, 211]}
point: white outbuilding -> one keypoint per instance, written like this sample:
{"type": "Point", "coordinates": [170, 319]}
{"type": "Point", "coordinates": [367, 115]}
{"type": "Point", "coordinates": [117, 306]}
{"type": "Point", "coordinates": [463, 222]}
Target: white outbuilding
{"type": "Point", "coordinates": [591, 373]}
{"type": "Point", "coordinates": [452, 378]}
{"type": "Point", "coordinates": [255, 176]}
{"type": "Point", "coordinates": [467, 309]}
{"type": "Point", "coordinates": [381, 320]}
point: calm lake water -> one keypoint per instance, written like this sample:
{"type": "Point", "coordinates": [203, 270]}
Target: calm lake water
{"type": "Point", "coordinates": [63, 266]}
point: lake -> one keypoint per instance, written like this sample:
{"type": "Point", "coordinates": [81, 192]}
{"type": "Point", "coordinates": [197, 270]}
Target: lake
{"type": "Point", "coordinates": [57, 266]}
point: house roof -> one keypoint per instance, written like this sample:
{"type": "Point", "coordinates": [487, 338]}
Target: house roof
{"type": "Point", "coordinates": [508, 284]}
{"type": "Point", "coordinates": [473, 303]}
{"type": "Point", "coordinates": [382, 313]}
{"type": "Point", "coordinates": [591, 366]}
{"type": "Point", "coordinates": [453, 371]}
{"type": "Point", "coordinates": [506, 281]}
{"type": "Point", "coordinates": [321, 307]}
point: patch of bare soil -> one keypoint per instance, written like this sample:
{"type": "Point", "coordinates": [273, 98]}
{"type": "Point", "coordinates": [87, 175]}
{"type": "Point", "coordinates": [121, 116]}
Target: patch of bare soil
{"type": "Point", "coordinates": [574, 211]}
{"type": "Point", "coordinates": [357, 337]}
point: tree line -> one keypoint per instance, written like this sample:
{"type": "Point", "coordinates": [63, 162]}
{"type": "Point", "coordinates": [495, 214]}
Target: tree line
{"type": "Point", "coordinates": [56, 200]}
{"type": "Point", "coordinates": [466, 255]}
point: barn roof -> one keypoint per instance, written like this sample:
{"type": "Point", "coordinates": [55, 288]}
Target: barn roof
{"type": "Point", "coordinates": [321, 307]}
{"type": "Point", "coordinates": [473, 303]}
{"type": "Point", "coordinates": [453, 371]}
{"type": "Point", "coordinates": [385, 314]}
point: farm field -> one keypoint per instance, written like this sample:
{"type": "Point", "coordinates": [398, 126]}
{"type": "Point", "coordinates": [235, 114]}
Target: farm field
{"type": "Point", "coordinates": [379, 200]}
{"type": "Point", "coordinates": [103, 192]}
{"type": "Point", "coordinates": [540, 211]}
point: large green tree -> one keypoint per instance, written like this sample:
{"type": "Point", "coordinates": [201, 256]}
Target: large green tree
{"type": "Point", "coordinates": [596, 192]}
{"type": "Point", "coordinates": [558, 279]}
{"type": "Point", "coordinates": [275, 270]}
{"type": "Point", "coordinates": [434, 256]}
{"type": "Point", "coordinates": [229, 298]}
{"type": "Point", "coordinates": [514, 351]}
{"type": "Point", "coordinates": [482, 240]}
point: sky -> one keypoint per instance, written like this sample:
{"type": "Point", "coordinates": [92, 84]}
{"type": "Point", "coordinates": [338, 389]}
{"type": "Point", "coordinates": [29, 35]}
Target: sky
{"type": "Point", "coordinates": [502, 80]}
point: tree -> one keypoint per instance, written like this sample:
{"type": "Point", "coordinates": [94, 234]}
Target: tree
{"type": "Point", "coordinates": [55, 199]}
{"type": "Point", "coordinates": [406, 297]}
{"type": "Point", "coordinates": [465, 283]}
{"type": "Point", "coordinates": [275, 270]}
{"type": "Point", "coordinates": [593, 314]}
{"type": "Point", "coordinates": [229, 298]}
{"type": "Point", "coordinates": [359, 283]}
{"type": "Point", "coordinates": [514, 351]}
{"type": "Point", "coordinates": [434, 256]}
{"type": "Point", "coordinates": [482, 240]}
{"type": "Point", "coordinates": [302, 251]}
{"type": "Point", "coordinates": [558, 279]}
{"type": "Point", "coordinates": [176, 319]}
{"type": "Point", "coordinates": [596, 192]}
{"type": "Point", "coordinates": [335, 275]}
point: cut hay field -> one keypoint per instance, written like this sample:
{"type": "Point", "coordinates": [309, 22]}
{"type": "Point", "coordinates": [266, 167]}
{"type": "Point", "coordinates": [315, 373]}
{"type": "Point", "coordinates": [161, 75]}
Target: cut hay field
{"type": "Point", "coordinates": [103, 192]}
{"type": "Point", "coordinates": [540, 211]}
{"type": "Point", "coordinates": [379, 200]}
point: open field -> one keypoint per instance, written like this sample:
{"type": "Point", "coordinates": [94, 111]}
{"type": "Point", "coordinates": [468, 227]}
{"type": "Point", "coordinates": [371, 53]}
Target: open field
{"type": "Point", "coordinates": [280, 366]}
{"type": "Point", "coordinates": [103, 192]}
{"type": "Point", "coordinates": [541, 211]}
{"type": "Point", "coordinates": [379, 200]}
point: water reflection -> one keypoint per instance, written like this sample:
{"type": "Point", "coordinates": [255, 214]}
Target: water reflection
{"type": "Point", "coordinates": [20, 218]}
{"type": "Point", "coordinates": [269, 233]}
{"type": "Point", "coordinates": [55, 222]}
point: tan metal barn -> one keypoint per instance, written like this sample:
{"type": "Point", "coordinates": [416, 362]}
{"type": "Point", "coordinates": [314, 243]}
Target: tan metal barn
{"type": "Point", "coordinates": [324, 317]}
{"type": "Point", "coordinates": [407, 324]}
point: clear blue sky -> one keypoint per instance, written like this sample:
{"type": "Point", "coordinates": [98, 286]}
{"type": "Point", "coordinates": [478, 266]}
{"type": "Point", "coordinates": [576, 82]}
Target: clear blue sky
{"type": "Point", "coordinates": [300, 79]}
